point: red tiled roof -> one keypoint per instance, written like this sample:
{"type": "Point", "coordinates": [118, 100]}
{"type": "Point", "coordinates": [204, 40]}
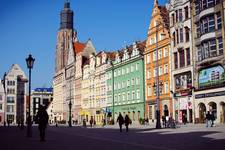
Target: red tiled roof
{"type": "Point", "coordinates": [78, 47]}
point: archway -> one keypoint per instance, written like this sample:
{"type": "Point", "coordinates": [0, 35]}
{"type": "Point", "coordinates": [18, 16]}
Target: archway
{"type": "Point", "coordinates": [202, 111]}
{"type": "Point", "coordinates": [222, 113]}
{"type": "Point", "coordinates": [213, 109]}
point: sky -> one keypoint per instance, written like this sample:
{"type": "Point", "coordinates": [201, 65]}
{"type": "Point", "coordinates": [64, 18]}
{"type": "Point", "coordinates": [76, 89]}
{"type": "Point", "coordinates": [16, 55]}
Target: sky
{"type": "Point", "coordinates": [31, 26]}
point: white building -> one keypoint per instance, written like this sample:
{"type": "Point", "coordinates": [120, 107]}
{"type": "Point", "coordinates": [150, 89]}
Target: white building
{"type": "Point", "coordinates": [15, 84]}
{"type": "Point", "coordinates": [182, 59]}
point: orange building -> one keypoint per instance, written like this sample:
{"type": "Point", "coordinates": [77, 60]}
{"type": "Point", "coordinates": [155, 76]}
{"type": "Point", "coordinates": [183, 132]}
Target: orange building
{"type": "Point", "coordinates": [159, 25]}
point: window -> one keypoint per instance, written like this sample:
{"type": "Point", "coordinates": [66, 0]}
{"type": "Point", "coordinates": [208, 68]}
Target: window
{"type": "Point", "coordinates": [211, 3]}
{"type": "Point", "coordinates": [166, 87]}
{"type": "Point", "coordinates": [177, 36]}
{"type": "Point", "coordinates": [123, 84]}
{"type": "Point", "coordinates": [186, 12]}
{"type": "Point", "coordinates": [152, 41]}
{"type": "Point", "coordinates": [115, 73]}
{"type": "Point", "coordinates": [211, 23]}
{"type": "Point", "coordinates": [176, 15]}
{"type": "Point", "coordinates": [219, 21]}
{"type": "Point", "coordinates": [0, 97]}
{"type": "Point", "coordinates": [137, 64]}
{"type": "Point", "coordinates": [123, 96]}
{"type": "Point", "coordinates": [0, 106]}
{"type": "Point", "coordinates": [128, 69]}
{"type": "Point", "coordinates": [128, 83]}
{"type": "Point", "coordinates": [204, 4]}
{"type": "Point", "coordinates": [212, 48]}
{"type": "Point", "coordinates": [133, 95]}
{"type": "Point", "coordinates": [132, 81]}
{"type": "Point", "coordinates": [10, 108]}
{"type": "Point", "coordinates": [148, 58]}
{"type": "Point", "coordinates": [119, 97]}
{"type": "Point", "coordinates": [187, 37]}
{"type": "Point", "coordinates": [182, 58]}
{"type": "Point", "coordinates": [115, 98]}
{"type": "Point", "coordinates": [198, 29]}
{"type": "Point", "coordinates": [123, 71]}
{"type": "Point", "coordinates": [128, 95]}
{"type": "Point", "coordinates": [220, 45]}
{"type": "Point", "coordinates": [160, 54]}
{"type": "Point", "coordinates": [181, 35]}
{"type": "Point", "coordinates": [149, 91]}
{"type": "Point", "coordinates": [154, 56]}
{"type": "Point", "coordinates": [119, 72]}
{"type": "Point", "coordinates": [180, 15]}
{"type": "Point", "coordinates": [205, 25]}
{"type": "Point", "coordinates": [206, 50]}
{"type": "Point", "coordinates": [197, 7]}
{"type": "Point", "coordinates": [119, 85]}
{"type": "Point", "coordinates": [132, 68]}
{"type": "Point", "coordinates": [138, 94]}
{"type": "Point", "coordinates": [166, 68]}
{"type": "Point", "coordinates": [173, 19]}
{"type": "Point", "coordinates": [155, 72]}
{"type": "Point", "coordinates": [160, 70]}
{"type": "Point", "coordinates": [188, 57]}
{"type": "Point", "coordinates": [166, 53]}
{"type": "Point", "coordinates": [10, 99]}
{"type": "Point", "coordinates": [137, 81]}
{"type": "Point", "coordinates": [148, 74]}
{"type": "Point", "coordinates": [162, 36]}
{"type": "Point", "coordinates": [175, 60]}
{"type": "Point", "coordinates": [174, 39]}
{"type": "Point", "coordinates": [115, 86]}
{"type": "Point", "coordinates": [199, 53]}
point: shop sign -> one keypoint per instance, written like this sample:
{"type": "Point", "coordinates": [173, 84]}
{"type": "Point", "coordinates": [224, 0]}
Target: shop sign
{"type": "Point", "coordinates": [129, 108]}
{"type": "Point", "coordinates": [183, 81]}
{"type": "Point", "coordinates": [213, 94]}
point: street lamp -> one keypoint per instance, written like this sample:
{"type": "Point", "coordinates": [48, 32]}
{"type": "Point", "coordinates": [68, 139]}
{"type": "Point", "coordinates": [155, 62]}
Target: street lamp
{"type": "Point", "coordinates": [30, 62]}
{"type": "Point", "coordinates": [4, 78]}
{"type": "Point", "coordinates": [158, 124]}
{"type": "Point", "coordinates": [70, 105]}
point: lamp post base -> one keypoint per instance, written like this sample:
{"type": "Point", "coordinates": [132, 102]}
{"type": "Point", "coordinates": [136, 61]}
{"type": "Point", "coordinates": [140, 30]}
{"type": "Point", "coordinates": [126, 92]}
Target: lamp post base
{"type": "Point", "coordinates": [158, 123]}
{"type": "Point", "coordinates": [29, 125]}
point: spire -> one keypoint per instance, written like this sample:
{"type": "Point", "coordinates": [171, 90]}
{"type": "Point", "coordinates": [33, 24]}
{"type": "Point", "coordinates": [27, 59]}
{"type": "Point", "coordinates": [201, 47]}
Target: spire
{"type": "Point", "coordinates": [66, 16]}
{"type": "Point", "coordinates": [156, 3]}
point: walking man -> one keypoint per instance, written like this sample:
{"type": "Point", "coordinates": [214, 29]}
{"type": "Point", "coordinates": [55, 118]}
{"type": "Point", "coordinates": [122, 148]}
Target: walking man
{"type": "Point", "coordinates": [127, 122]}
{"type": "Point", "coordinates": [120, 120]}
{"type": "Point", "coordinates": [42, 117]}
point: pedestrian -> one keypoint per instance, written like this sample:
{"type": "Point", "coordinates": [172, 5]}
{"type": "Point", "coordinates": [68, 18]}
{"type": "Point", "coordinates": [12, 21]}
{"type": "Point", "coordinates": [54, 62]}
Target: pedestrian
{"type": "Point", "coordinates": [42, 117]}
{"type": "Point", "coordinates": [212, 118]}
{"type": "Point", "coordinates": [184, 119]}
{"type": "Point", "coordinates": [84, 123]}
{"type": "Point", "coordinates": [208, 119]}
{"type": "Point", "coordinates": [127, 122]}
{"type": "Point", "coordinates": [164, 121]}
{"type": "Point", "coordinates": [120, 120]}
{"type": "Point", "coordinates": [8, 122]}
{"type": "Point", "coordinates": [91, 121]}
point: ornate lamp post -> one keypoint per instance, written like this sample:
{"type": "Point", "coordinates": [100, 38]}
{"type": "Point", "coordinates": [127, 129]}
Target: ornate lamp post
{"type": "Point", "coordinates": [30, 62]}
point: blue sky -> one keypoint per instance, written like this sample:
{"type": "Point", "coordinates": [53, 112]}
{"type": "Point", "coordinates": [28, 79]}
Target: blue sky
{"type": "Point", "coordinates": [31, 26]}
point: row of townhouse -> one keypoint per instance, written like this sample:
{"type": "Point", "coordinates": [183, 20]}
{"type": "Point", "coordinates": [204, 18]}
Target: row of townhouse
{"type": "Point", "coordinates": [183, 50]}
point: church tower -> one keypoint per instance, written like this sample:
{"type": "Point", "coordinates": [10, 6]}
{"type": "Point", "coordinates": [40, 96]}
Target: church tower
{"type": "Point", "coordinates": [65, 35]}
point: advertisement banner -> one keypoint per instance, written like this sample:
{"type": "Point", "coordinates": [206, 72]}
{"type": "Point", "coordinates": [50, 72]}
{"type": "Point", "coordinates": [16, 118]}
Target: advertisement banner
{"type": "Point", "coordinates": [211, 76]}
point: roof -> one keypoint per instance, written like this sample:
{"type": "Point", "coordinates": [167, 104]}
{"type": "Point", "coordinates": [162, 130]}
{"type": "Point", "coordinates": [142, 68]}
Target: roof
{"type": "Point", "coordinates": [78, 47]}
{"type": "Point", "coordinates": [43, 89]}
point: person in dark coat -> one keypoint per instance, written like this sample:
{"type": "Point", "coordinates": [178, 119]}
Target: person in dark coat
{"type": "Point", "coordinates": [120, 120]}
{"type": "Point", "coordinates": [127, 122]}
{"type": "Point", "coordinates": [42, 117]}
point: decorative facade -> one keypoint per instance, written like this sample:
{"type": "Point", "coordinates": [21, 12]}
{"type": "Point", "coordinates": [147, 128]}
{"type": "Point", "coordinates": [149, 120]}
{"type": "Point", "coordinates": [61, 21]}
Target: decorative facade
{"type": "Point", "coordinates": [125, 83]}
{"type": "Point", "coordinates": [181, 59]}
{"type": "Point", "coordinates": [208, 27]}
{"type": "Point", "coordinates": [158, 39]}
{"type": "Point", "coordinates": [15, 86]}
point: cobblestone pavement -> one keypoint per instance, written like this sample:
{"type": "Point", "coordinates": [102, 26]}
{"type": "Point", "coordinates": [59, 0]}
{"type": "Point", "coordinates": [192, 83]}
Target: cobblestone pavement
{"type": "Point", "coordinates": [186, 137]}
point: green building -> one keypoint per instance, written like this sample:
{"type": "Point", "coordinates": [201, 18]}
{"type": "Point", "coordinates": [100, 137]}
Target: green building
{"type": "Point", "coordinates": [125, 83]}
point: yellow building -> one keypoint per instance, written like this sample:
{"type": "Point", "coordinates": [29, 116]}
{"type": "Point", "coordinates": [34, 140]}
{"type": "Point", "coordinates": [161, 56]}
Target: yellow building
{"type": "Point", "coordinates": [158, 34]}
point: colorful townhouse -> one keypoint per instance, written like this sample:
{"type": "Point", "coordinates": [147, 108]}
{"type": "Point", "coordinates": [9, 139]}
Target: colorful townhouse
{"type": "Point", "coordinates": [125, 83]}
{"type": "Point", "coordinates": [158, 41]}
